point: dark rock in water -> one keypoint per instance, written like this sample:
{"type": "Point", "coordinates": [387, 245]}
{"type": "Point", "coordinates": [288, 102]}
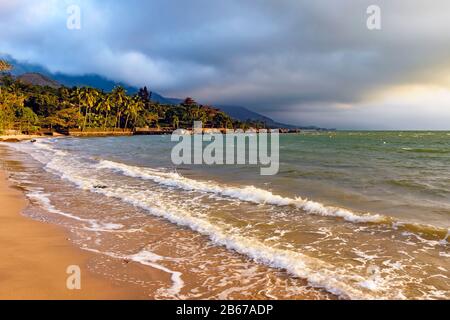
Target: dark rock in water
{"type": "Point", "coordinates": [100, 187]}
{"type": "Point", "coordinates": [33, 140]}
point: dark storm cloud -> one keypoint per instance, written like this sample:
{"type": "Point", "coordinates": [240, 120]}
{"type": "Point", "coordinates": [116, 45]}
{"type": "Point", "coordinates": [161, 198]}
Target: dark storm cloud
{"type": "Point", "coordinates": [300, 61]}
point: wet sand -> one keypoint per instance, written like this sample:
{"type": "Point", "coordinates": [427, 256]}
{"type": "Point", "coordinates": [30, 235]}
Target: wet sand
{"type": "Point", "coordinates": [35, 256]}
{"type": "Point", "coordinates": [121, 263]}
{"type": "Point", "coordinates": [19, 137]}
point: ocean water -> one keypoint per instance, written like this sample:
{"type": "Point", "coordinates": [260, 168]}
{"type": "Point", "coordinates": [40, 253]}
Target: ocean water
{"type": "Point", "coordinates": [352, 215]}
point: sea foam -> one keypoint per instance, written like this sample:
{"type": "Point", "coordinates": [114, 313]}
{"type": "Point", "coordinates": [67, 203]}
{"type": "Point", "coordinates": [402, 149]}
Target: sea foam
{"type": "Point", "coordinates": [318, 273]}
{"type": "Point", "coordinates": [247, 193]}
{"type": "Point", "coordinates": [150, 259]}
{"type": "Point", "coordinates": [43, 200]}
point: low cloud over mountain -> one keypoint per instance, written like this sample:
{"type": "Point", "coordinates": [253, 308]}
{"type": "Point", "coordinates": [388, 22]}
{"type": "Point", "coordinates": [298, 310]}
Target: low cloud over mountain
{"type": "Point", "coordinates": [309, 62]}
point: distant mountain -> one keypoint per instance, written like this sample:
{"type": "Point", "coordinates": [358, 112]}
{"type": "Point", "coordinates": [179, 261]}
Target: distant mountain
{"type": "Point", "coordinates": [156, 97]}
{"type": "Point", "coordinates": [244, 114]}
{"type": "Point", "coordinates": [38, 79]}
{"type": "Point", "coordinates": [90, 80]}
{"type": "Point", "coordinates": [36, 74]}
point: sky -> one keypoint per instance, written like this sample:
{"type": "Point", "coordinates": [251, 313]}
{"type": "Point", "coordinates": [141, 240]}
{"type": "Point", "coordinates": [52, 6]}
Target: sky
{"type": "Point", "coordinates": [300, 62]}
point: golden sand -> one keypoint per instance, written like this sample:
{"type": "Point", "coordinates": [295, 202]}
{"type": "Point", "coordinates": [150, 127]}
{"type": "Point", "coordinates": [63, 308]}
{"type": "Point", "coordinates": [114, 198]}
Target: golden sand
{"type": "Point", "coordinates": [35, 257]}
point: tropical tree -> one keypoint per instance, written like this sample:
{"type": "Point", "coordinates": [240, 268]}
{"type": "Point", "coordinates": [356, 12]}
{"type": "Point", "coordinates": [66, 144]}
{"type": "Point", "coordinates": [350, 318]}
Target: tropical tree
{"type": "Point", "coordinates": [104, 107]}
{"type": "Point", "coordinates": [175, 122]}
{"type": "Point", "coordinates": [64, 119]}
{"type": "Point", "coordinates": [129, 110]}
{"type": "Point", "coordinates": [189, 102]}
{"type": "Point", "coordinates": [88, 100]}
{"type": "Point", "coordinates": [144, 95]}
{"type": "Point", "coordinates": [138, 108]}
{"type": "Point", "coordinates": [26, 107]}
{"type": "Point", "coordinates": [76, 97]}
{"type": "Point", "coordinates": [5, 66]}
{"type": "Point", "coordinates": [220, 120]}
{"type": "Point", "coordinates": [27, 119]}
{"type": "Point", "coordinates": [119, 99]}
{"type": "Point", "coordinates": [152, 119]}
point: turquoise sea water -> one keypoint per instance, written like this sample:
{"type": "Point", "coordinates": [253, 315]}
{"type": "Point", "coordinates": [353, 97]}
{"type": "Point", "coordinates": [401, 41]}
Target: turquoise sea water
{"type": "Point", "coordinates": [352, 214]}
{"type": "Point", "coordinates": [400, 174]}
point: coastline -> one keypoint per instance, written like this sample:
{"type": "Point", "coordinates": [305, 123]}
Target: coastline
{"type": "Point", "coordinates": [134, 256]}
{"type": "Point", "coordinates": [20, 277]}
{"type": "Point", "coordinates": [35, 257]}
{"type": "Point", "coordinates": [19, 137]}
{"type": "Point", "coordinates": [157, 278]}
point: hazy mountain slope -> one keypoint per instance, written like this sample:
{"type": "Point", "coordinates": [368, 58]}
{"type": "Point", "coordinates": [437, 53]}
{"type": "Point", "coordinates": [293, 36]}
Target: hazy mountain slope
{"type": "Point", "coordinates": [38, 79]}
{"type": "Point", "coordinates": [39, 75]}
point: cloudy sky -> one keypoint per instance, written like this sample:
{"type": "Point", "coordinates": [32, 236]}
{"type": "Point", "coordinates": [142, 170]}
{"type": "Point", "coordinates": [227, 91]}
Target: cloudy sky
{"type": "Point", "coordinates": [302, 62]}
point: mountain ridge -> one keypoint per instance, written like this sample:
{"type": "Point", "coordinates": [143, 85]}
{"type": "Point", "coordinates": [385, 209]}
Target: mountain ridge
{"type": "Point", "coordinates": [38, 79]}
{"type": "Point", "coordinates": [38, 75]}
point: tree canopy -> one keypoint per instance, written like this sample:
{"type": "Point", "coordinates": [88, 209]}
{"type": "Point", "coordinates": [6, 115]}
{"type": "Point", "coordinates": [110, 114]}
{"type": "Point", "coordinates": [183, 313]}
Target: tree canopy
{"type": "Point", "coordinates": [29, 108]}
{"type": "Point", "coordinates": [4, 66]}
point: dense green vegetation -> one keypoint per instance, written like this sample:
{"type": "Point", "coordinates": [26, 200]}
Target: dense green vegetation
{"type": "Point", "coordinates": [29, 108]}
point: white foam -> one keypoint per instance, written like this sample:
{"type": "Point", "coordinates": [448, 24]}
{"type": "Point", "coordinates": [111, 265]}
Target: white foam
{"type": "Point", "coordinates": [44, 201]}
{"type": "Point", "coordinates": [150, 259]}
{"type": "Point", "coordinates": [446, 238]}
{"type": "Point", "coordinates": [318, 273]}
{"type": "Point", "coordinates": [369, 284]}
{"type": "Point", "coordinates": [248, 193]}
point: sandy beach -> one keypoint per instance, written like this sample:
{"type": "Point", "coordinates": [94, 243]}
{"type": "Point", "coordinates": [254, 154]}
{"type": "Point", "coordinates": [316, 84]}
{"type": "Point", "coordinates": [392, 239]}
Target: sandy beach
{"type": "Point", "coordinates": [139, 230]}
{"type": "Point", "coordinates": [35, 256]}
{"type": "Point", "coordinates": [18, 138]}
{"type": "Point", "coordinates": [38, 253]}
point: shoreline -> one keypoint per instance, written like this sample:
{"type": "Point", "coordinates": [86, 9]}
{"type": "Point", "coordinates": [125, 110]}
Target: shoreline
{"type": "Point", "coordinates": [156, 277]}
{"type": "Point", "coordinates": [19, 138]}
{"type": "Point", "coordinates": [130, 259]}
{"type": "Point", "coordinates": [35, 257]}
{"type": "Point", "coordinates": [139, 132]}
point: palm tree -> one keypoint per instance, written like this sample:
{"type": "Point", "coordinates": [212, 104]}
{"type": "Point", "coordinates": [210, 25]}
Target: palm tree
{"type": "Point", "coordinates": [76, 97]}
{"type": "Point", "coordinates": [132, 108]}
{"type": "Point", "coordinates": [128, 110]}
{"type": "Point", "coordinates": [152, 117]}
{"type": "Point", "coordinates": [139, 106]}
{"type": "Point", "coordinates": [95, 94]}
{"type": "Point", "coordinates": [104, 106]}
{"type": "Point", "coordinates": [88, 99]}
{"type": "Point", "coordinates": [118, 97]}
{"type": "Point", "coordinates": [4, 66]}
{"type": "Point", "coordinates": [175, 122]}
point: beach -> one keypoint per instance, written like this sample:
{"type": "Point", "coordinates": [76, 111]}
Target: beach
{"type": "Point", "coordinates": [153, 261]}
{"type": "Point", "coordinates": [358, 224]}
{"type": "Point", "coordinates": [36, 255]}
{"type": "Point", "coordinates": [18, 137]}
